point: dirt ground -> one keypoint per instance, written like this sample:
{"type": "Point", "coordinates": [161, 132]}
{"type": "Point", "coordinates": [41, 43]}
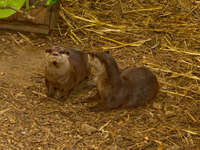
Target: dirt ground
{"type": "Point", "coordinates": [31, 121]}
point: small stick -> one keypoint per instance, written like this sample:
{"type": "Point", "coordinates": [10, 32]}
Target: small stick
{"type": "Point", "coordinates": [193, 119]}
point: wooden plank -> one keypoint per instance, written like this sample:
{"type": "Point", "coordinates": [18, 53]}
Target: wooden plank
{"type": "Point", "coordinates": [43, 29]}
{"type": "Point", "coordinates": [41, 14]}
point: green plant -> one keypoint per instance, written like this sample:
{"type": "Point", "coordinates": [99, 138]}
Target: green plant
{"type": "Point", "coordinates": [17, 4]}
{"type": "Point", "coordinates": [9, 7]}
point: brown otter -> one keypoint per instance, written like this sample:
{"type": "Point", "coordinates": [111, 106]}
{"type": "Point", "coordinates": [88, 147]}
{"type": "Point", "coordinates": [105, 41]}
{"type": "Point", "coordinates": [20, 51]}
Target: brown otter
{"type": "Point", "coordinates": [65, 68]}
{"type": "Point", "coordinates": [121, 89]}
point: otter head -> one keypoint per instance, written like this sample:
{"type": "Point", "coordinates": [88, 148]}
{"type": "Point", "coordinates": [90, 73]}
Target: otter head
{"type": "Point", "coordinates": [97, 62]}
{"type": "Point", "coordinates": [103, 66]}
{"type": "Point", "coordinates": [57, 55]}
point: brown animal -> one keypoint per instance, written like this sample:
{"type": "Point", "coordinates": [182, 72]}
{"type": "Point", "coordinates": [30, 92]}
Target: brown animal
{"type": "Point", "coordinates": [120, 89]}
{"type": "Point", "coordinates": [65, 69]}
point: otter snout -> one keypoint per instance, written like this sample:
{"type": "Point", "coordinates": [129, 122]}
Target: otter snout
{"type": "Point", "coordinates": [55, 53]}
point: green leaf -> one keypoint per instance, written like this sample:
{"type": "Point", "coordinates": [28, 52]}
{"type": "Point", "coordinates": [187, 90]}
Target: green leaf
{"type": "Point", "coordinates": [50, 2]}
{"type": "Point", "coordinates": [13, 3]}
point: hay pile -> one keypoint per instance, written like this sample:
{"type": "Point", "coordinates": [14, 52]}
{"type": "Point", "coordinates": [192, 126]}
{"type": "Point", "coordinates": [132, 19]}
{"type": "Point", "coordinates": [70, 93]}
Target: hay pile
{"type": "Point", "coordinates": [162, 35]}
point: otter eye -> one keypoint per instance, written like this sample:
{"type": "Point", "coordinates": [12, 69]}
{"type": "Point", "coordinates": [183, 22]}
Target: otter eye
{"type": "Point", "coordinates": [67, 52]}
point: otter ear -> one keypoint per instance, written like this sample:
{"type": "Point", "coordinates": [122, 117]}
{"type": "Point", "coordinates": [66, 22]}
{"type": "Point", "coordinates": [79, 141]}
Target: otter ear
{"type": "Point", "coordinates": [91, 55]}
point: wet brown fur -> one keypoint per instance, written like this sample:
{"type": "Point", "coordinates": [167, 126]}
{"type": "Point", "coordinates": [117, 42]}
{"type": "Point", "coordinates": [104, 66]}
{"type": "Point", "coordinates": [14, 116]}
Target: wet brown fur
{"type": "Point", "coordinates": [62, 78]}
{"type": "Point", "coordinates": [121, 89]}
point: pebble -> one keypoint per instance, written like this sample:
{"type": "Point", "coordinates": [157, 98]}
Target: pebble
{"type": "Point", "coordinates": [88, 129]}
{"type": "Point", "coordinates": [2, 73]}
{"type": "Point", "coordinates": [176, 147]}
{"type": "Point", "coordinates": [157, 105]}
{"type": "Point", "coordinates": [23, 132]}
{"type": "Point", "coordinates": [169, 113]}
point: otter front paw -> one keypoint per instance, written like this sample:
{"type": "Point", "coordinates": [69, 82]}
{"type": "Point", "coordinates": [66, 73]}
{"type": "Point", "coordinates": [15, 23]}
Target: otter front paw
{"type": "Point", "coordinates": [63, 97]}
{"type": "Point", "coordinates": [51, 91]}
{"type": "Point", "coordinates": [91, 98]}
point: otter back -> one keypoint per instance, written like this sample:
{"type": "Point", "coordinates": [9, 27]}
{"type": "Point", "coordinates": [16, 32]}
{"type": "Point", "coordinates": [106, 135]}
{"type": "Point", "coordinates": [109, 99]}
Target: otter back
{"type": "Point", "coordinates": [142, 85]}
{"type": "Point", "coordinates": [126, 88]}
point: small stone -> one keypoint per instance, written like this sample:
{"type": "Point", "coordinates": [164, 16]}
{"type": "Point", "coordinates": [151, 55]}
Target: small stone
{"type": "Point", "coordinates": [94, 147]}
{"type": "Point", "coordinates": [157, 105]}
{"type": "Point", "coordinates": [165, 87]}
{"type": "Point", "coordinates": [146, 138]}
{"type": "Point", "coordinates": [20, 95]}
{"type": "Point", "coordinates": [111, 147]}
{"type": "Point", "coordinates": [21, 41]}
{"type": "Point", "coordinates": [21, 145]}
{"type": "Point", "coordinates": [2, 73]}
{"type": "Point", "coordinates": [169, 113]}
{"type": "Point", "coordinates": [23, 132]}
{"type": "Point", "coordinates": [12, 120]}
{"type": "Point", "coordinates": [88, 129]}
{"type": "Point", "coordinates": [176, 147]}
{"type": "Point", "coordinates": [43, 44]}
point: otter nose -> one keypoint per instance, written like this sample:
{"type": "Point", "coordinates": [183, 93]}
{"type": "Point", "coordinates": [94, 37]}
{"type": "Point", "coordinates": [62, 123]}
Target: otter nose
{"type": "Point", "coordinates": [55, 54]}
